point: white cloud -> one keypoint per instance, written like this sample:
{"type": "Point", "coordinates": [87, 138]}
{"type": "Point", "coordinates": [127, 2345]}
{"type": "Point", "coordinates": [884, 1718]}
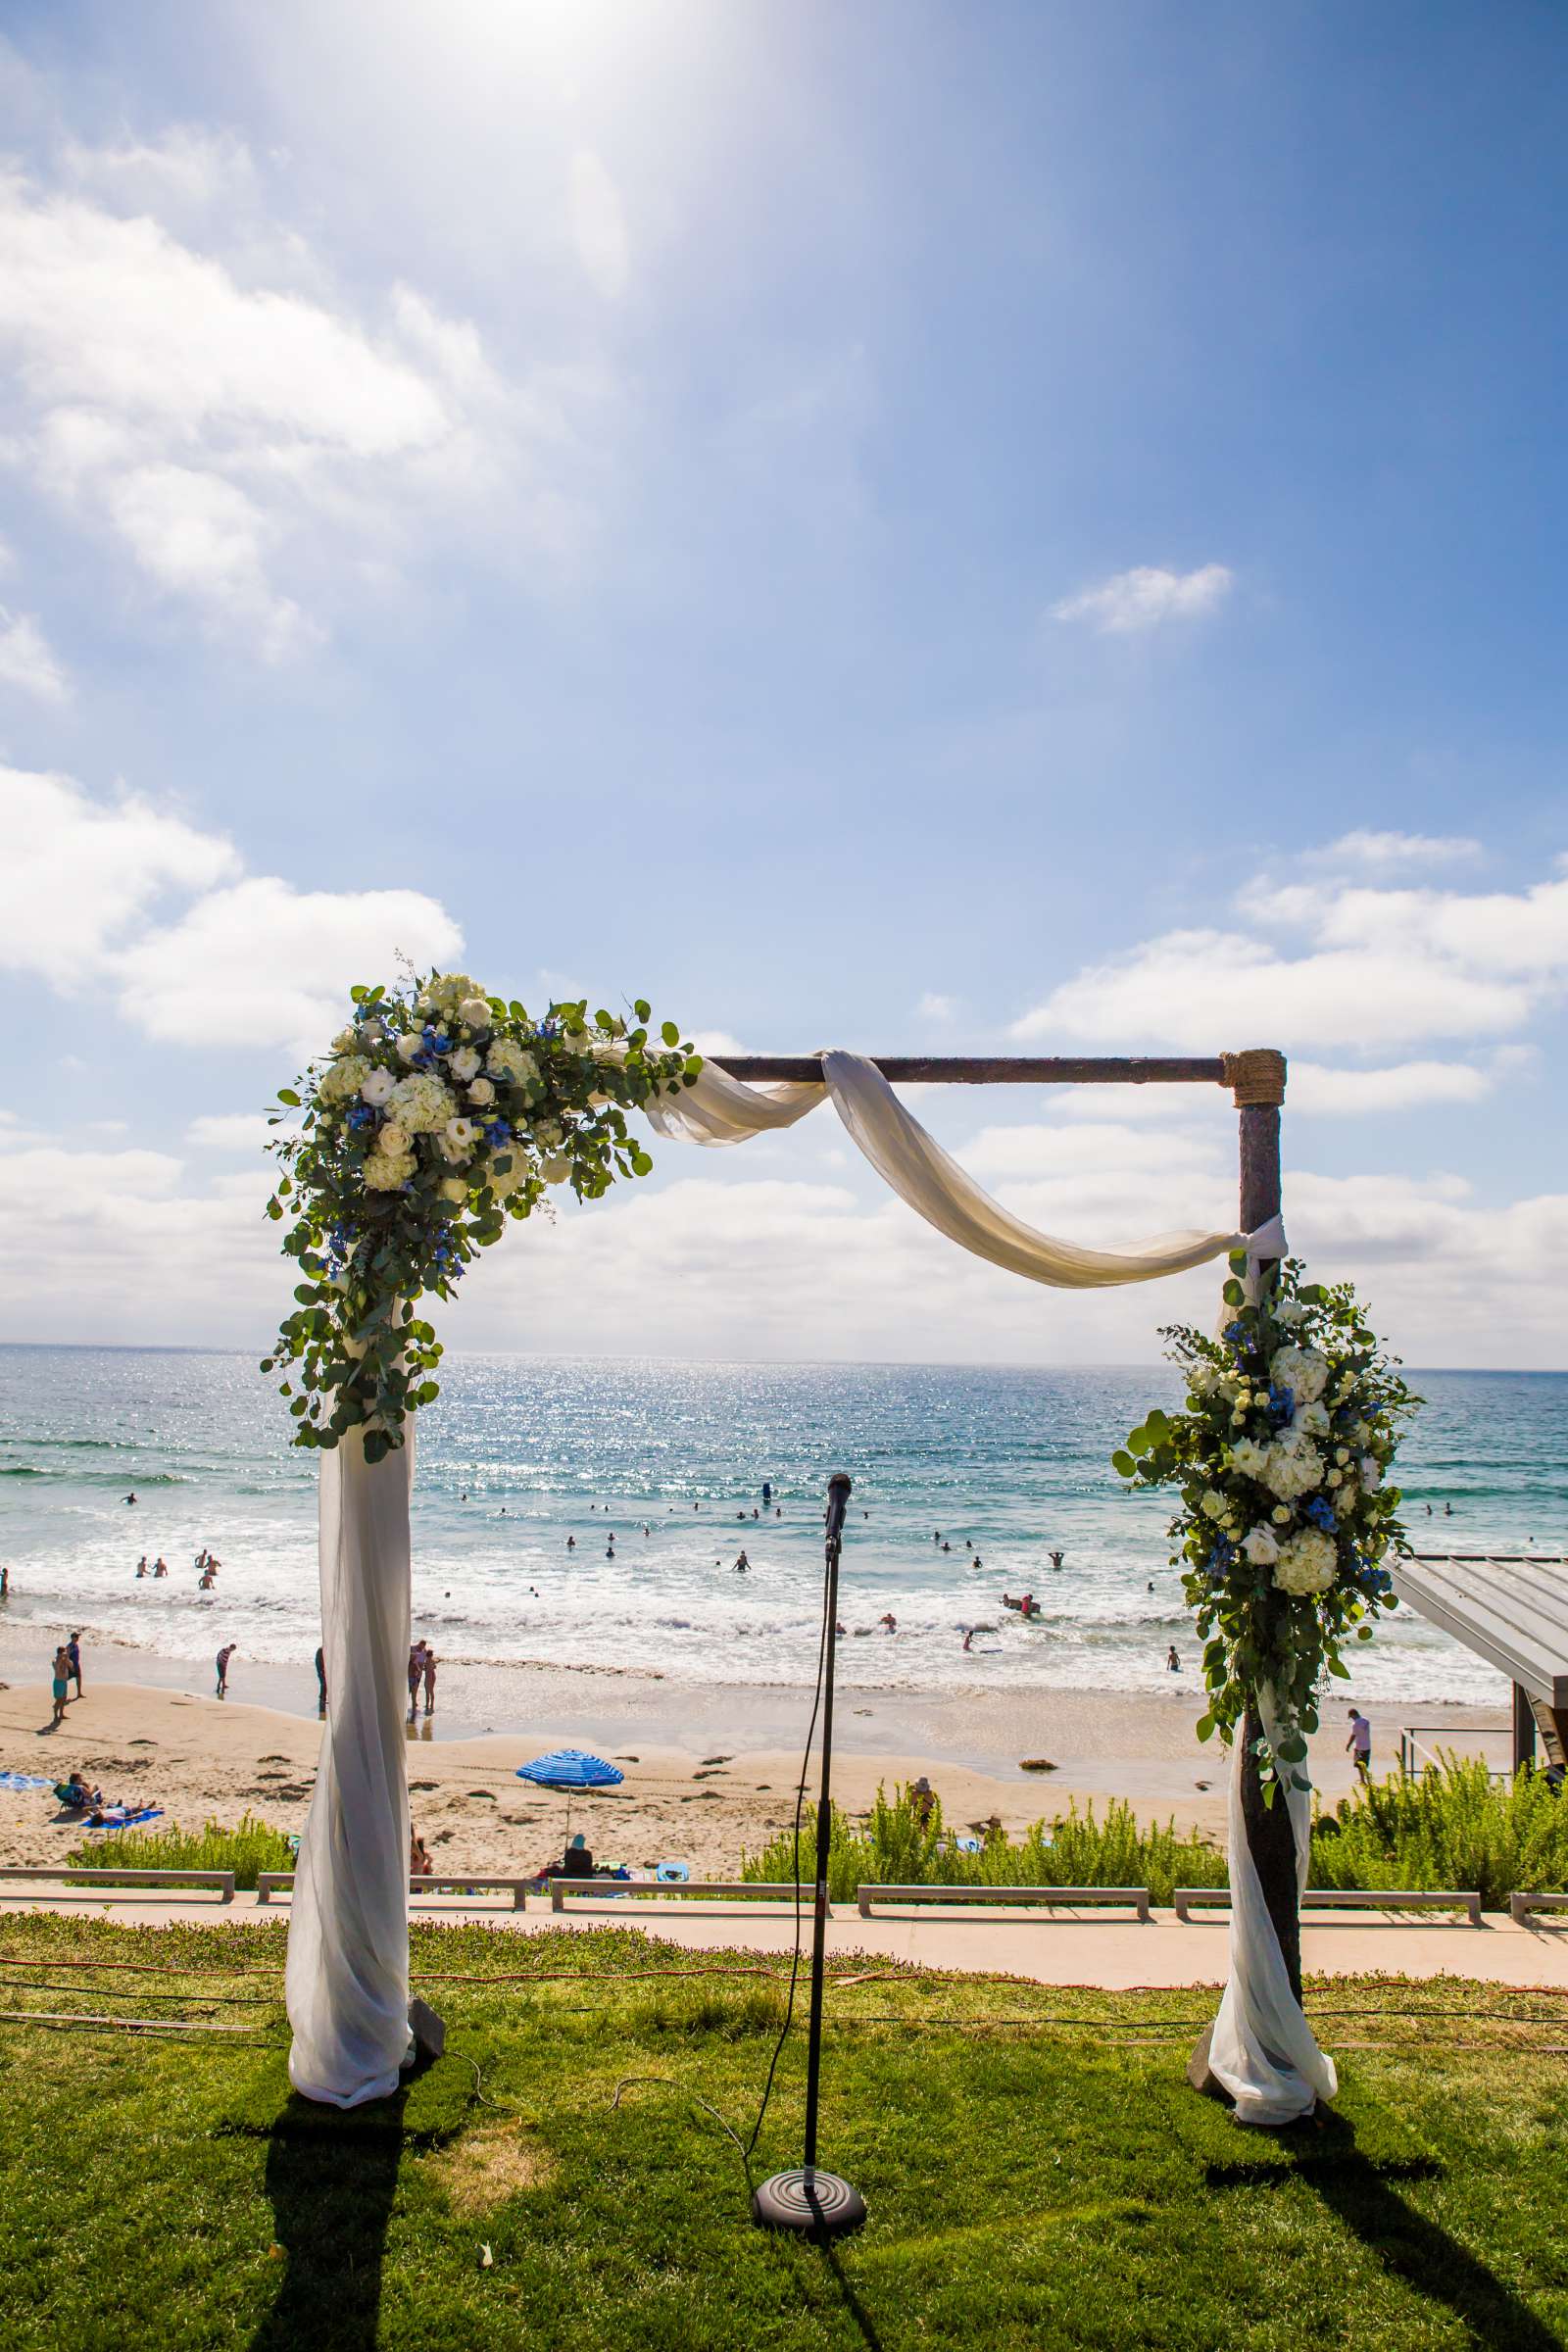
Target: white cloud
{"type": "Point", "coordinates": [263, 963]}
{"type": "Point", "coordinates": [1144, 597]}
{"type": "Point", "coordinates": [1402, 1086]}
{"type": "Point", "coordinates": [1377, 852]}
{"type": "Point", "coordinates": [250, 961]}
{"type": "Point", "coordinates": [26, 658]}
{"type": "Point", "coordinates": [231, 1131]}
{"type": "Point", "coordinates": [1377, 968]}
{"type": "Point", "coordinates": [240, 442]}
{"type": "Point", "coordinates": [187, 166]}
{"type": "Point", "coordinates": [76, 874]}
{"type": "Point", "coordinates": [939, 1009]}
{"type": "Point", "coordinates": [598, 224]}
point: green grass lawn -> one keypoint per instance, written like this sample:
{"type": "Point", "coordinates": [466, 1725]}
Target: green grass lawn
{"type": "Point", "coordinates": [1038, 2172]}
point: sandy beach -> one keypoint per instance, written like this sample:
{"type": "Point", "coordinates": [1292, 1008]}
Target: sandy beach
{"type": "Point", "coordinates": [722, 1788]}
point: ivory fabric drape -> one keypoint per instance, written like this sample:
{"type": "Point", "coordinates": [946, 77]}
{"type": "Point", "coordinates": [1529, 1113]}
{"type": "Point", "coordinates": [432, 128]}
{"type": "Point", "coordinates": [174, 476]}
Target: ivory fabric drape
{"type": "Point", "coordinates": [348, 1956]}
{"type": "Point", "coordinates": [1263, 2049]}
{"type": "Point", "coordinates": [719, 1109]}
{"type": "Point", "coordinates": [347, 1982]}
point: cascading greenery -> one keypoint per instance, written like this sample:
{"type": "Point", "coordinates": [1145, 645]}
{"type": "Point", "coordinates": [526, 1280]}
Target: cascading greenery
{"type": "Point", "coordinates": [441, 1112]}
{"type": "Point", "coordinates": [1293, 1415]}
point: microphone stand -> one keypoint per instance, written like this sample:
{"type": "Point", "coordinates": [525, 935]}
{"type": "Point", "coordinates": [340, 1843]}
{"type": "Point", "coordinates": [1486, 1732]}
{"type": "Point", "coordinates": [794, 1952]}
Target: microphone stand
{"type": "Point", "coordinates": [815, 2203]}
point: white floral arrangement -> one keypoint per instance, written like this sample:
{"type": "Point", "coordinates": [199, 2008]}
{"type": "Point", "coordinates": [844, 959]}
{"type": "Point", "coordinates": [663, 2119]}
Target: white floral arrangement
{"type": "Point", "coordinates": [440, 1112]}
{"type": "Point", "coordinates": [1293, 1417]}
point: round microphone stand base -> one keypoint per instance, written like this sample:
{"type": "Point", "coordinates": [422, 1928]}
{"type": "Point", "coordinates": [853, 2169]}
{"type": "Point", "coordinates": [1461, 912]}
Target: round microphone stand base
{"type": "Point", "coordinates": [815, 2203]}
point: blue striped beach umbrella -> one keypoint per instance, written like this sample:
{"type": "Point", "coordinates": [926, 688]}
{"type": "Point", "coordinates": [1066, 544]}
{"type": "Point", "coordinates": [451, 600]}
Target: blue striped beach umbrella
{"type": "Point", "coordinates": [569, 1769]}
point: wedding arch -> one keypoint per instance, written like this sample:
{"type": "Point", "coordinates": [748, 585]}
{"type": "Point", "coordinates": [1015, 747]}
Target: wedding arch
{"type": "Point", "coordinates": [442, 1112]}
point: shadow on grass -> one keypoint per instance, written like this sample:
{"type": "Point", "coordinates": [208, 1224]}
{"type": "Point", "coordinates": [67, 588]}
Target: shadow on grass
{"type": "Point", "coordinates": [332, 2179]}
{"type": "Point", "coordinates": [852, 2301]}
{"type": "Point", "coordinates": [1360, 2189]}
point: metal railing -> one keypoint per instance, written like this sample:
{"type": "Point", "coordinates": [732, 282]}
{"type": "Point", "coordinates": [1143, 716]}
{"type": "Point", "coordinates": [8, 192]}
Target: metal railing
{"type": "Point", "coordinates": [1347, 1898]}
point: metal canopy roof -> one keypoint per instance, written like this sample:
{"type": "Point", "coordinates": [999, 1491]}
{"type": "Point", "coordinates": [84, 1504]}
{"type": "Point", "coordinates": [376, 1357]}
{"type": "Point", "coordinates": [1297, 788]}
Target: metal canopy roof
{"type": "Point", "coordinates": [1512, 1608]}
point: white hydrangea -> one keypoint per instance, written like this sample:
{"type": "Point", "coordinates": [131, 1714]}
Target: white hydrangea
{"type": "Point", "coordinates": [1249, 1458]}
{"type": "Point", "coordinates": [344, 1078]}
{"type": "Point", "coordinates": [548, 1135]}
{"type": "Point", "coordinates": [378, 1088]}
{"type": "Point", "coordinates": [465, 1063]}
{"type": "Point", "coordinates": [512, 1062]}
{"type": "Point", "coordinates": [1312, 1420]}
{"type": "Point", "coordinates": [555, 1170]}
{"type": "Point", "coordinates": [1288, 1312]}
{"type": "Point", "coordinates": [446, 992]}
{"type": "Point", "coordinates": [1301, 1370]}
{"type": "Point", "coordinates": [1307, 1562]}
{"type": "Point", "coordinates": [421, 1104]}
{"type": "Point", "coordinates": [345, 1041]}
{"type": "Point", "coordinates": [1293, 1465]}
{"type": "Point", "coordinates": [1260, 1546]}
{"type": "Point", "coordinates": [1371, 1473]}
{"type": "Point", "coordinates": [511, 1178]}
{"type": "Point", "coordinates": [385, 1171]}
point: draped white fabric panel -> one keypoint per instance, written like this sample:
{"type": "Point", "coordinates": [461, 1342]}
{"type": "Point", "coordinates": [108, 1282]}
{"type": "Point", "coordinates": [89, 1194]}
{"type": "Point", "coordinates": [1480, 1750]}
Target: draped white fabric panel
{"type": "Point", "coordinates": [1263, 2049]}
{"type": "Point", "coordinates": [348, 1939]}
{"type": "Point", "coordinates": [719, 1109]}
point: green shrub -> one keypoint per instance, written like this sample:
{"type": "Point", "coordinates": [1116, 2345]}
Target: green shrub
{"type": "Point", "coordinates": [1452, 1825]}
{"type": "Point", "coordinates": [253, 1846]}
{"type": "Point", "coordinates": [893, 1849]}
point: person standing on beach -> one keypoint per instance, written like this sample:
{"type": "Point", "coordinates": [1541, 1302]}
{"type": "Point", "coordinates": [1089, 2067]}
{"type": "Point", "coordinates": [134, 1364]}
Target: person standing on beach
{"type": "Point", "coordinates": [1359, 1745]}
{"type": "Point", "coordinates": [74, 1653]}
{"type": "Point", "coordinates": [429, 1682]}
{"type": "Point", "coordinates": [321, 1681]}
{"type": "Point", "coordinates": [1173, 1664]}
{"type": "Point", "coordinates": [59, 1686]}
{"type": "Point", "coordinates": [224, 1657]}
{"type": "Point", "coordinates": [416, 1671]}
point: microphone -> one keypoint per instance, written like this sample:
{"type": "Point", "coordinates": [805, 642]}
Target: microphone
{"type": "Point", "coordinates": [838, 1496]}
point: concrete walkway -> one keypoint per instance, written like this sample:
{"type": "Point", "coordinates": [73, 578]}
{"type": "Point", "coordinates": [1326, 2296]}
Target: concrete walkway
{"type": "Point", "coordinates": [1063, 1949]}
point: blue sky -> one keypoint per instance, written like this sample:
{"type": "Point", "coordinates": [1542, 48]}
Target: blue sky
{"type": "Point", "coordinates": [901, 526]}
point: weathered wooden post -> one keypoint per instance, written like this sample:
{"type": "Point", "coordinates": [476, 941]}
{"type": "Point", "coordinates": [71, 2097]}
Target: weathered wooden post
{"type": "Point", "coordinates": [1256, 1080]}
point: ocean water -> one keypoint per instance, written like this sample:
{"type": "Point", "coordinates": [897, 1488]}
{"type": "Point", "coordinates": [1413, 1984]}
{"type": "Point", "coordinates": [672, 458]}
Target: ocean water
{"type": "Point", "coordinates": [1007, 1464]}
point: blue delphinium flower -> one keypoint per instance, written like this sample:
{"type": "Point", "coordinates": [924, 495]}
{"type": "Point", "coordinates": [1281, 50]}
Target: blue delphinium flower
{"type": "Point", "coordinates": [362, 1115]}
{"type": "Point", "coordinates": [1281, 1405]}
{"type": "Point", "coordinates": [1317, 1510]}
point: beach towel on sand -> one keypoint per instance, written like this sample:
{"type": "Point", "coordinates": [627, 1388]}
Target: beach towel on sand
{"type": "Point", "coordinates": [23, 1780]}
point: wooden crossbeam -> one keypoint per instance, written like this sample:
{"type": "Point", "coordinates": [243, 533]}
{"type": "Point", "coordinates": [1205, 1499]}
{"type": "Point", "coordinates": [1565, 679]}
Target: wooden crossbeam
{"type": "Point", "coordinates": [961, 1069]}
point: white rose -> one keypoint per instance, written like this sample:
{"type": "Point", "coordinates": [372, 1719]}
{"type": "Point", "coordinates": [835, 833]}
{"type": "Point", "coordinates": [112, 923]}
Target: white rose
{"type": "Point", "coordinates": [453, 1187]}
{"type": "Point", "coordinates": [1213, 1505]}
{"type": "Point", "coordinates": [1334, 1478]}
{"type": "Point", "coordinates": [410, 1044]}
{"type": "Point", "coordinates": [1281, 1515]}
{"type": "Point", "coordinates": [555, 1170]}
{"type": "Point", "coordinates": [371, 1032]}
{"type": "Point", "coordinates": [1371, 1473]}
{"type": "Point", "coordinates": [475, 1012]}
{"type": "Point", "coordinates": [480, 1091]}
{"type": "Point", "coordinates": [378, 1088]}
{"type": "Point", "coordinates": [1307, 1562]}
{"type": "Point", "coordinates": [392, 1139]}
{"type": "Point", "coordinates": [465, 1062]}
{"type": "Point", "coordinates": [1301, 1370]}
{"type": "Point", "coordinates": [1260, 1546]}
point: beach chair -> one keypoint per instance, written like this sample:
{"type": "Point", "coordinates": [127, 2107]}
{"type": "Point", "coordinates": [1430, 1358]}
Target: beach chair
{"type": "Point", "coordinates": [673, 1874]}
